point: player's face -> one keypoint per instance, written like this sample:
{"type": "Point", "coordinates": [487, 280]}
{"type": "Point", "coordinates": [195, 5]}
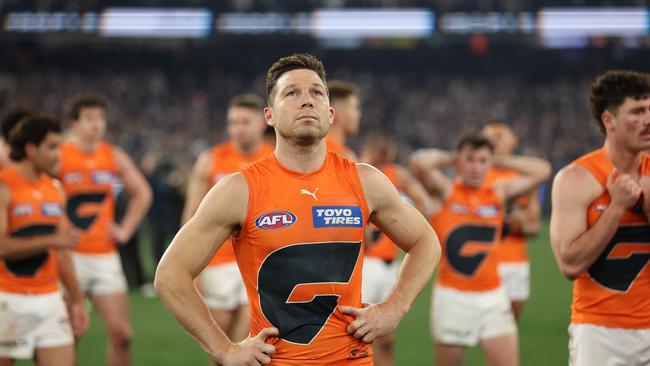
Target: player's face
{"type": "Point", "coordinates": [300, 109]}
{"type": "Point", "coordinates": [473, 165]}
{"type": "Point", "coordinates": [348, 114]}
{"type": "Point", "coordinates": [46, 156]}
{"type": "Point", "coordinates": [91, 125]}
{"type": "Point", "coordinates": [502, 138]}
{"type": "Point", "coordinates": [631, 125]}
{"type": "Point", "coordinates": [245, 127]}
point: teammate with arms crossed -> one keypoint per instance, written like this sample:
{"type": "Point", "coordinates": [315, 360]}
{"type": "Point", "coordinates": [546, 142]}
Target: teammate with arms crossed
{"type": "Point", "coordinates": [34, 257]}
{"type": "Point", "coordinates": [300, 254]}
{"type": "Point", "coordinates": [381, 263]}
{"type": "Point", "coordinates": [599, 230]}
{"type": "Point", "coordinates": [221, 283]}
{"type": "Point", "coordinates": [469, 305]}
{"type": "Point", "coordinates": [344, 98]}
{"type": "Point", "coordinates": [522, 220]}
{"type": "Point", "coordinates": [89, 167]}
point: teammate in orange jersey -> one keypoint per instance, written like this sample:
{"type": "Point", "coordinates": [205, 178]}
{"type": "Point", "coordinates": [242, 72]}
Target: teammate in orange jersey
{"type": "Point", "coordinates": [469, 305]}
{"type": "Point", "coordinates": [221, 283]}
{"type": "Point", "coordinates": [89, 168]}
{"type": "Point", "coordinates": [34, 243]}
{"type": "Point", "coordinates": [599, 230]}
{"type": "Point", "coordinates": [344, 98]}
{"type": "Point", "coordinates": [522, 220]}
{"type": "Point", "coordinates": [298, 219]}
{"type": "Point", "coordinates": [381, 262]}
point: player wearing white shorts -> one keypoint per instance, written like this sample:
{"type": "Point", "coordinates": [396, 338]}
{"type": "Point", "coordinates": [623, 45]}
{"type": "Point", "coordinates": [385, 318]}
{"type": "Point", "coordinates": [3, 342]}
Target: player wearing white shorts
{"type": "Point", "coordinates": [89, 168]}
{"type": "Point", "coordinates": [470, 306]}
{"type": "Point", "coordinates": [34, 243]}
{"type": "Point", "coordinates": [220, 282]}
{"type": "Point", "coordinates": [599, 228]}
{"type": "Point", "coordinates": [522, 221]}
{"type": "Point", "coordinates": [381, 262]}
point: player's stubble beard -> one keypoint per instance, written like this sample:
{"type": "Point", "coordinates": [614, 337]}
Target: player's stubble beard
{"type": "Point", "coordinates": [303, 136]}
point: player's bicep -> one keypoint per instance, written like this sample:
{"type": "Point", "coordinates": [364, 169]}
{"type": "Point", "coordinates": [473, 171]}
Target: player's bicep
{"type": "Point", "coordinates": [569, 198]}
{"type": "Point", "coordinates": [415, 191]}
{"type": "Point", "coordinates": [221, 212]}
{"type": "Point", "coordinates": [517, 186]}
{"type": "Point", "coordinates": [134, 182]}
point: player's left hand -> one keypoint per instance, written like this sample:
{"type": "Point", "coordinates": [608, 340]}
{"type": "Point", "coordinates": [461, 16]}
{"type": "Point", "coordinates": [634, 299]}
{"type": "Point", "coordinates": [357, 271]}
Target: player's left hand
{"type": "Point", "coordinates": [119, 234]}
{"type": "Point", "coordinates": [372, 321]}
{"type": "Point", "coordinates": [79, 319]}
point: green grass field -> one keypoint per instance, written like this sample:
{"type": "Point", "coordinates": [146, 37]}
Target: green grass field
{"type": "Point", "coordinates": [159, 340]}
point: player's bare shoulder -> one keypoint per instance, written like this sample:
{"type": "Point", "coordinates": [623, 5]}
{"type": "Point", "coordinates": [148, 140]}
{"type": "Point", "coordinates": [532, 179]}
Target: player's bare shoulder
{"type": "Point", "coordinates": [227, 200]}
{"type": "Point", "coordinates": [376, 186]}
{"type": "Point", "coordinates": [577, 181]}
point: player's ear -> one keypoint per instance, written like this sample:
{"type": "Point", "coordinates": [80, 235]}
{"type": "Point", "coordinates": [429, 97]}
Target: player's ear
{"type": "Point", "coordinates": [332, 114]}
{"type": "Point", "coordinates": [268, 116]}
{"type": "Point", "coordinates": [607, 119]}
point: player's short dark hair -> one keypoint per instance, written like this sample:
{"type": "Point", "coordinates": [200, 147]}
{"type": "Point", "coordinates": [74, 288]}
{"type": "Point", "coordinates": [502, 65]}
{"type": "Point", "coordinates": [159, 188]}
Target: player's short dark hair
{"type": "Point", "coordinates": [32, 129]}
{"type": "Point", "coordinates": [289, 63]}
{"type": "Point", "coordinates": [382, 143]}
{"type": "Point", "coordinates": [249, 101]}
{"type": "Point", "coordinates": [341, 90]}
{"type": "Point", "coordinates": [609, 90]}
{"type": "Point", "coordinates": [11, 119]}
{"type": "Point", "coordinates": [85, 101]}
{"type": "Point", "coordinates": [475, 140]}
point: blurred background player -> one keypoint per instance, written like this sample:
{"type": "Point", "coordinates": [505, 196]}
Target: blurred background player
{"type": "Point", "coordinates": [9, 121]}
{"type": "Point", "coordinates": [34, 243]}
{"type": "Point", "coordinates": [344, 98]}
{"type": "Point", "coordinates": [381, 262]}
{"type": "Point", "coordinates": [599, 228]}
{"type": "Point", "coordinates": [522, 220]}
{"type": "Point", "coordinates": [89, 168]}
{"type": "Point", "coordinates": [469, 305]}
{"type": "Point", "coordinates": [221, 283]}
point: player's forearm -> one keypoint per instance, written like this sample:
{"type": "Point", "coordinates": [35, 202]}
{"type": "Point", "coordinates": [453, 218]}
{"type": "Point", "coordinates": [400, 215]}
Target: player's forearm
{"type": "Point", "coordinates": [417, 268]}
{"type": "Point", "coordinates": [535, 168]}
{"type": "Point", "coordinates": [581, 253]}
{"type": "Point", "coordinates": [67, 275]}
{"type": "Point", "coordinates": [136, 210]}
{"type": "Point", "coordinates": [179, 295]}
{"type": "Point", "coordinates": [19, 248]}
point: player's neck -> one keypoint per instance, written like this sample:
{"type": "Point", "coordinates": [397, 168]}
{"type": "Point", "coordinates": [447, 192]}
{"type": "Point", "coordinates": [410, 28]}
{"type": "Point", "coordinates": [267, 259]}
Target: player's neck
{"type": "Point", "coordinates": [624, 159]}
{"type": "Point", "coordinates": [301, 159]}
{"type": "Point", "coordinates": [27, 169]}
{"type": "Point", "coordinates": [337, 134]}
{"type": "Point", "coordinates": [86, 146]}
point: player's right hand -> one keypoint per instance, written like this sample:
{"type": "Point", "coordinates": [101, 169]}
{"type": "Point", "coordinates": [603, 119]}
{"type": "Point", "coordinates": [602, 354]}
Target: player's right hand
{"type": "Point", "coordinates": [67, 238]}
{"type": "Point", "coordinates": [252, 351]}
{"type": "Point", "coordinates": [623, 189]}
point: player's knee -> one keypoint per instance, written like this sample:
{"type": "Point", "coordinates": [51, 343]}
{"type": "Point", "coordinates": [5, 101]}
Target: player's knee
{"type": "Point", "coordinates": [120, 335]}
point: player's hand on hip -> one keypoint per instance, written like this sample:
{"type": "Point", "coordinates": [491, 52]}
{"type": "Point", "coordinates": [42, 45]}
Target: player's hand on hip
{"type": "Point", "coordinates": [624, 189]}
{"type": "Point", "coordinates": [252, 351]}
{"type": "Point", "coordinates": [119, 234]}
{"type": "Point", "coordinates": [67, 238]}
{"type": "Point", "coordinates": [371, 321]}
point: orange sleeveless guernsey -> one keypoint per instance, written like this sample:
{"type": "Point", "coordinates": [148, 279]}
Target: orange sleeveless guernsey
{"type": "Point", "coordinates": [226, 160]}
{"type": "Point", "coordinates": [300, 254]}
{"type": "Point", "coordinates": [88, 179]}
{"type": "Point", "coordinates": [35, 208]}
{"type": "Point", "coordinates": [469, 227]}
{"type": "Point", "coordinates": [613, 292]}
{"type": "Point", "coordinates": [383, 248]}
{"type": "Point", "coordinates": [512, 248]}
